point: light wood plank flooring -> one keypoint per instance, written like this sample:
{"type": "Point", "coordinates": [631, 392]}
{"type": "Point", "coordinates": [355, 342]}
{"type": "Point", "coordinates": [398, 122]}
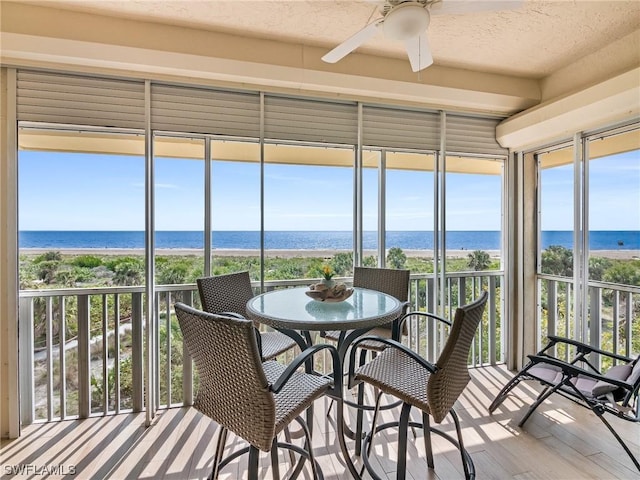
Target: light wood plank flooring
{"type": "Point", "coordinates": [560, 441]}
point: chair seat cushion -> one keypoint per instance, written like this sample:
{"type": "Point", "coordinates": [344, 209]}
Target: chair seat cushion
{"type": "Point", "coordinates": [547, 373]}
{"type": "Point", "coordinates": [297, 394]}
{"type": "Point", "coordinates": [619, 372]}
{"type": "Point", "coordinates": [552, 375]}
{"type": "Point", "coordinates": [588, 386]}
{"type": "Point", "coordinates": [396, 373]}
{"type": "Point", "coordinates": [635, 373]}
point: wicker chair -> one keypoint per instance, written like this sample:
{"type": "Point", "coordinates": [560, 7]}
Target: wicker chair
{"type": "Point", "coordinates": [253, 399]}
{"type": "Point", "coordinates": [615, 392]}
{"type": "Point", "coordinates": [392, 282]}
{"type": "Point", "coordinates": [229, 294]}
{"type": "Point", "coordinates": [432, 388]}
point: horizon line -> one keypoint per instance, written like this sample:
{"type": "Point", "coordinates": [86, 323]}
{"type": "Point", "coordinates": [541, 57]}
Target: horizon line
{"type": "Point", "coordinates": [372, 231]}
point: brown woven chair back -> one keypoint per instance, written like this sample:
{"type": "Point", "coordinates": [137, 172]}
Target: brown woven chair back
{"type": "Point", "coordinates": [446, 385]}
{"type": "Point", "coordinates": [233, 388]}
{"type": "Point", "coordinates": [390, 281]}
{"type": "Point", "coordinates": [225, 293]}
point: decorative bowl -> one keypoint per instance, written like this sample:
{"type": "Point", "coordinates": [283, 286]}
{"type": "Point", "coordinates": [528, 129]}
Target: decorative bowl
{"type": "Point", "coordinates": [321, 293]}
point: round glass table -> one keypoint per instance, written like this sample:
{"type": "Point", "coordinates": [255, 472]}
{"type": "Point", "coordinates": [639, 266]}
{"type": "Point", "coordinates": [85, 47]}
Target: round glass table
{"type": "Point", "coordinates": [295, 314]}
{"type": "Point", "coordinates": [291, 309]}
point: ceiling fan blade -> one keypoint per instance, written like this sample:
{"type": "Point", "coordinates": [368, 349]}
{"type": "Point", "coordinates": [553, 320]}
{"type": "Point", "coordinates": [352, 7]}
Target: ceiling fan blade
{"type": "Point", "coordinates": [454, 7]}
{"type": "Point", "coordinates": [353, 42]}
{"type": "Point", "coordinates": [419, 52]}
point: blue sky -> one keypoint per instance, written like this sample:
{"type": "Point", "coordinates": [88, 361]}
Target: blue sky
{"type": "Point", "coordinates": [614, 194]}
{"type": "Point", "coordinates": [98, 192]}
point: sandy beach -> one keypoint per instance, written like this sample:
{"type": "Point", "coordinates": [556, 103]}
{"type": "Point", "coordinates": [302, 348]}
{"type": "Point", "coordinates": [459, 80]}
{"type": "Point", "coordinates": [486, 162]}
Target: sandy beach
{"type": "Point", "coordinates": [613, 254]}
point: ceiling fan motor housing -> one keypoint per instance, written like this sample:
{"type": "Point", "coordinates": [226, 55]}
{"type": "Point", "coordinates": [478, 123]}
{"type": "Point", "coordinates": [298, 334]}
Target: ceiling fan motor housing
{"type": "Point", "coordinates": [405, 21]}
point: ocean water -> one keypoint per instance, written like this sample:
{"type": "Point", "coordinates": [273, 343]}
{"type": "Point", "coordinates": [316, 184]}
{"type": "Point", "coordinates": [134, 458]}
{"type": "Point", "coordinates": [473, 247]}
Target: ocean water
{"type": "Point", "coordinates": [304, 240]}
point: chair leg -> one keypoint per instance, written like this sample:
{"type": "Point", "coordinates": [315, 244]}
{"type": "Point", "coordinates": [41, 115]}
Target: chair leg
{"type": "Point", "coordinates": [312, 459]}
{"type": "Point", "coordinates": [599, 412]}
{"type": "Point", "coordinates": [467, 462]}
{"type": "Point", "coordinates": [330, 407]}
{"type": "Point", "coordinates": [222, 440]}
{"type": "Point", "coordinates": [254, 455]}
{"type": "Point", "coordinates": [426, 428]}
{"type": "Point", "coordinates": [546, 393]}
{"type": "Point", "coordinates": [504, 392]}
{"type": "Point", "coordinates": [275, 466]}
{"type": "Point", "coordinates": [360, 412]}
{"type": "Point", "coordinates": [374, 422]}
{"type": "Point", "coordinates": [403, 427]}
{"type": "Point", "coordinates": [307, 428]}
{"type": "Point", "coordinates": [309, 414]}
{"type": "Point", "coordinates": [287, 437]}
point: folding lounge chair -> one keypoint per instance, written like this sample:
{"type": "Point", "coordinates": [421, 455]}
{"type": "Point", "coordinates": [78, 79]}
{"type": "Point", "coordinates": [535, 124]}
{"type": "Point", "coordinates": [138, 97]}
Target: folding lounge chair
{"type": "Point", "coordinates": [615, 392]}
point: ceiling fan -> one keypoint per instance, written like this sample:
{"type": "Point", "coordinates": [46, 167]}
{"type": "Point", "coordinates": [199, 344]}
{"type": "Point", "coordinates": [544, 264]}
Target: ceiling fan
{"type": "Point", "coordinates": [408, 20]}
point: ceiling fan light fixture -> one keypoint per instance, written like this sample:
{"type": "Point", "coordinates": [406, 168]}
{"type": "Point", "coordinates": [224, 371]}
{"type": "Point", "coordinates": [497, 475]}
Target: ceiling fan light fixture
{"type": "Point", "coordinates": [407, 20]}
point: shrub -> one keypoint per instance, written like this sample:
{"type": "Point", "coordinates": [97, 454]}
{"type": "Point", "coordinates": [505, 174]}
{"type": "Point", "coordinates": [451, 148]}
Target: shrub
{"type": "Point", "coordinates": [87, 261]}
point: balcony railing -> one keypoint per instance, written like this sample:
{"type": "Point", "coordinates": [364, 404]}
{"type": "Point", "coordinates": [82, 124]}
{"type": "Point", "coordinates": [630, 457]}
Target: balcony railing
{"type": "Point", "coordinates": [100, 369]}
{"type": "Point", "coordinates": [106, 341]}
{"type": "Point", "coordinates": [612, 315]}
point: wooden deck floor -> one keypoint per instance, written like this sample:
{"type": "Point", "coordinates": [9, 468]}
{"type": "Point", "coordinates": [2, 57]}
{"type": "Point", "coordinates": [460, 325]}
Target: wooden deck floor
{"type": "Point", "coordinates": [560, 441]}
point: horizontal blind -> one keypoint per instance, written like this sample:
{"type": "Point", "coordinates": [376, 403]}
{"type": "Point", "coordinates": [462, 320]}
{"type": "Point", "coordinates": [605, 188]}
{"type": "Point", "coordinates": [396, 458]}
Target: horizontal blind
{"type": "Point", "coordinates": [467, 134]}
{"type": "Point", "coordinates": [78, 100]}
{"type": "Point", "coordinates": [202, 110]}
{"type": "Point", "coordinates": [398, 128]}
{"type": "Point", "coordinates": [287, 118]}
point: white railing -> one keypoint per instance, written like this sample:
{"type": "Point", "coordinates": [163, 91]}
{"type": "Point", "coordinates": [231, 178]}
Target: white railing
{"type": "Point", "coordinates": [87, 356]}
{"type": "Point", "coordinates": [613, 315]}
{"type": "Point", "coordinates": [81, 375]}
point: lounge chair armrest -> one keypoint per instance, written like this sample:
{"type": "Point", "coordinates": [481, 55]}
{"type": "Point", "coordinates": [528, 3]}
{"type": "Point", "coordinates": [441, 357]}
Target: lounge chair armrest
{"type": "Point", "coordinates": [391, 343]}
{"type": "Point", "coordinates": [572, 370]}
{"type": "Point", "coordinates": [302, 358]}
{"type": "Point", "coordinates": [585, 348]}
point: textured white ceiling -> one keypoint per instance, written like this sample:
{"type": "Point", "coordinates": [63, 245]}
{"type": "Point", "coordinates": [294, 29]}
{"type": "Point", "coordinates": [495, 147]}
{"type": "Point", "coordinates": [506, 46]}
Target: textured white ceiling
{"type": "Point", "coordinates": [533, 41]}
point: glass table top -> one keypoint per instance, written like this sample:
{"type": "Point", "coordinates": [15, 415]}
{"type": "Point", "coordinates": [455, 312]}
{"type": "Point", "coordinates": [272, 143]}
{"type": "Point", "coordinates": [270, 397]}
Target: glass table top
{"type": "Point", "coordinates": [292, 309]}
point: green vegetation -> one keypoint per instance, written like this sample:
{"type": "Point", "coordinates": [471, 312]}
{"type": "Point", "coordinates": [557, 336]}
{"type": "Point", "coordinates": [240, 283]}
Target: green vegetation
{"type": "Point", "coordinates": [396, 258]}
{"type": "Point", "coordinates": [557, 260]}
{"type": "Point", "coordinates": [54, 270]}
{"type": "Point", "coordinates": [479, 260]}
